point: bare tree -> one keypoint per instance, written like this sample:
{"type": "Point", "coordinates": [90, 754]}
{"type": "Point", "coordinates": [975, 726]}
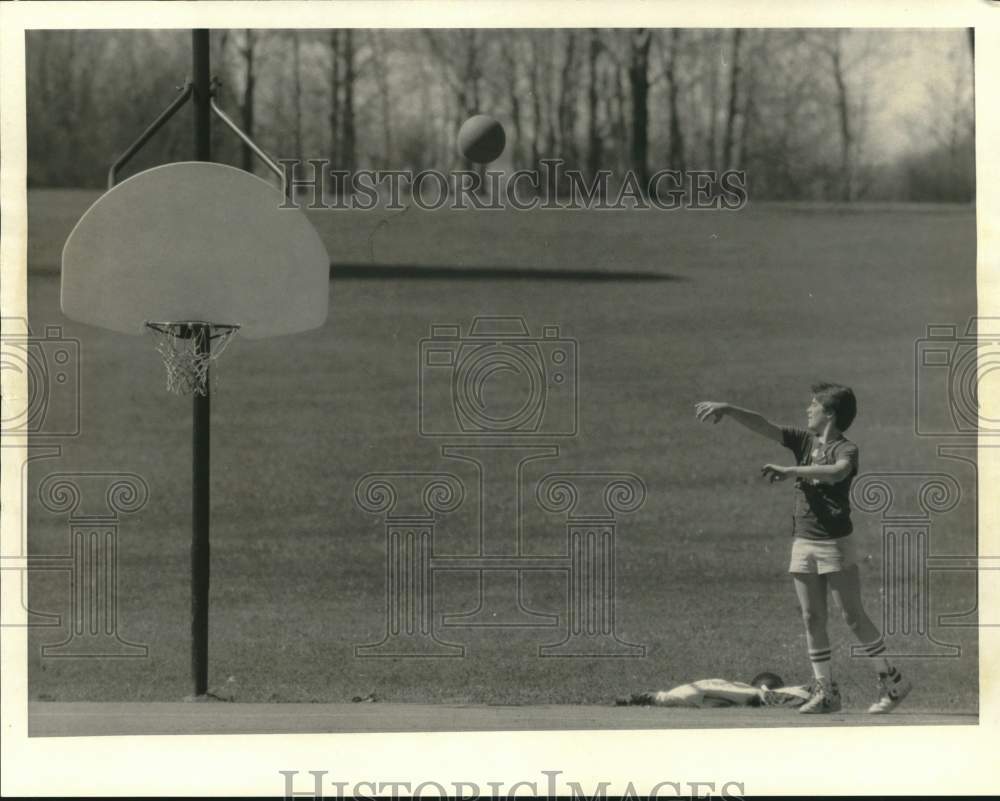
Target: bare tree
{"type": "Point", "coordinates": [472, 76]}
{"type": "Point", "coordinates": [336, 110]}
{"type": "Point", "coordinates": [638, 73]}
{"type": "Point", "coordinates": [593, 96]}
{"type": "Point", "coordinates": [735, 69]}
{"type": "Point", "coordinates": [594, 145]}
{"type": "Point", "coordinates": [247, 110]}
{"type": "Point", "coordinates": [621, 128]}
{"type": "Point", "coordinates": [509, 60]}
{"type": "Point", "coordinates": [675, 157]}
{"type": "Point", "coordinates": [566, 102]}
{"type": "Point", "coordinates": [380, 58]}
{"type": "Point", "coordinates": [835, 52]}
{"type": "Point", "coordinates": [39, 91]}
{"type": "Point", "coordinates": [715, 49]}
{"type": "Point", "coordinates": [461, 69]}
{"type": "Point", "coordinates": [297, 93]}
{"type": "Point", "coordinates": [349, 152]}
{"type": "Point", "coordinates": [947, 118]}
{"type": "Point", "coordinates": [848, 53]}
{"type": "Point", "coordinates": [749, 114]}
{"type": "Point", "coordinates": [549, 97]}
{"type": "Point", "coordinates": [536, 102]}
{"type": "Point", "coordinates": [972, 58]}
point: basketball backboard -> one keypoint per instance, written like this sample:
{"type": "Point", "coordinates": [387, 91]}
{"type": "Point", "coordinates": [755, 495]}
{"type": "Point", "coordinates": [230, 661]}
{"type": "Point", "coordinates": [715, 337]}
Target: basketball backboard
{"type": "Point", "coordinates": [195, 241]}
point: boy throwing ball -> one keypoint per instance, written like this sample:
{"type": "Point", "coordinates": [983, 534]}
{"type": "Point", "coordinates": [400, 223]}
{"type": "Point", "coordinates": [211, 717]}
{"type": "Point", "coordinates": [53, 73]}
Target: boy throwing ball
{"type": "Point", "coordinates": [823, 555]}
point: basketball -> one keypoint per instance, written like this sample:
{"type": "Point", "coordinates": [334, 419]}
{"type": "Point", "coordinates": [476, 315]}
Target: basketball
{"type": "Point", "coordinates": [481, 139]}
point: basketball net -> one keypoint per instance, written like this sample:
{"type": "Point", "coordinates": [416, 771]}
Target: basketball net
{"type": "Point", "coordinates": [188, 349]}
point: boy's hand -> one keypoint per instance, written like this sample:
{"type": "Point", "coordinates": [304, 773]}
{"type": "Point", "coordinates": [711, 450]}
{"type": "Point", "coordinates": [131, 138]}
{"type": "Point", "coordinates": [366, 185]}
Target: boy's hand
{"type": "Point", "coordinates": [773, 472]}
{"type": "Point", "coordinates": [708, 410]}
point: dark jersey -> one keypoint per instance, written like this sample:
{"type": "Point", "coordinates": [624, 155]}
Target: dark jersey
{"type": "Point", "coordinates": [822, 511]}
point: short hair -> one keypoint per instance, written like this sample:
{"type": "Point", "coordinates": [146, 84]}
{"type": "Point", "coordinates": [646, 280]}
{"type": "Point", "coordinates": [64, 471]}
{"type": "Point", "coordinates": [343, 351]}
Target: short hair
{"type": "Point", "coordinates": [839, 401]}
{"type": "Point", "coordinates": [769, 681]}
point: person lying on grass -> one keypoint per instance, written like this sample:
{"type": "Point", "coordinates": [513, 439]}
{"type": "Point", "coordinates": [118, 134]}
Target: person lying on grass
{"type": "Point", "coordinates": [765, 689]}
{"type": "Point", "coordinates": [823, 555]}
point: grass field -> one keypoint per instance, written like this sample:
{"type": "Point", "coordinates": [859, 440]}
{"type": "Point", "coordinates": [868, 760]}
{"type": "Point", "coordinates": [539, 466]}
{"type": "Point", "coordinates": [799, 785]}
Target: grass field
{"type": "Point", "coordinates": [749, 307]}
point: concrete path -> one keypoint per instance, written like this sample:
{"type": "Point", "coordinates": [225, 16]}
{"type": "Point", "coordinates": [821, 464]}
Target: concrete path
{"type": "Point", "coordinates": [56, 719]}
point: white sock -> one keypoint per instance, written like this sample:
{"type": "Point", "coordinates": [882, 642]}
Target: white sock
{"type": "Point", "coordinates": [820, 660]}
{"type": "Point", "coordinates": [874, 651]}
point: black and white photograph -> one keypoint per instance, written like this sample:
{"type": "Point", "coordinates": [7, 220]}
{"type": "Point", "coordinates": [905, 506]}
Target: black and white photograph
{"type": "Point", "coordinates": [475, 379]}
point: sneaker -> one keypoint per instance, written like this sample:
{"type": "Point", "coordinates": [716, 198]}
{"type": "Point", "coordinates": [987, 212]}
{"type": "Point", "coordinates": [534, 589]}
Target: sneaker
{"type": "Point", "coordinates": [636, 699]}
{"type": "Point", "coordinates": [792, 697]}
{"type": "Point", "coordinates": [892, 689]}
{"type": "Point", "coordinates": [825, 698]}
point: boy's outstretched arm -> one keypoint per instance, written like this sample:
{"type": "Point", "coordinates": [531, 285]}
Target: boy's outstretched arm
{"type": "Point", "coordinates": [709, 410]}
{"type": "Point", "coordinates": [816, 473]}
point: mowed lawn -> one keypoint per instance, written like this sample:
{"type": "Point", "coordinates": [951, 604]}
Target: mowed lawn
{"type": "Point", "coordinates": [749, 307]}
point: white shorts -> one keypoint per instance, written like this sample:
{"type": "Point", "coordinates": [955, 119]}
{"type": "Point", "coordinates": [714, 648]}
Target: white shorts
{"type": "Point", "coordinates": [822, 556]}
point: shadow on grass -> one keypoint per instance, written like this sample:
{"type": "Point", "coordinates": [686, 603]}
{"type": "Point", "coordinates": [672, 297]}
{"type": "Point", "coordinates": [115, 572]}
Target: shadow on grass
{"type": "Point", "coordinates": [424, 271]}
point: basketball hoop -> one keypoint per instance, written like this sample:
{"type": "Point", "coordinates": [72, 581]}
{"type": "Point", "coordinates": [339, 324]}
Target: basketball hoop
{"type": "Point", "coordinates": [189, 242]}
{"type": "Point", "coordinates": [188, 349]}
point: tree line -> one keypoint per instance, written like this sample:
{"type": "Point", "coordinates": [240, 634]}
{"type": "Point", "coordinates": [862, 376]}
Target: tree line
{"type": "Point", "coordinates": [792, 108]}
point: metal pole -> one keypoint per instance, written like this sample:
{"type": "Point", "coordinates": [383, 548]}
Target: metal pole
{"type": "Point", "coordinates": [159, 122]}
{"type": "Point", "coordinates": [201, 441]}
